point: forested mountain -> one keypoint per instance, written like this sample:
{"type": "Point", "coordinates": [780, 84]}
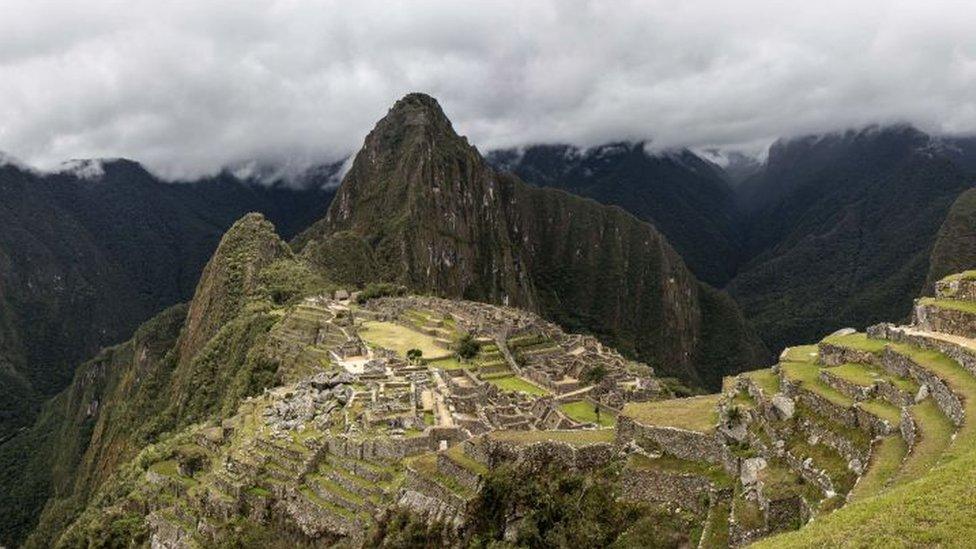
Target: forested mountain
{"type": "Point", "coordinates": [88, 254]}
{"type": "Point", "coordinates": [686, 198]}
{"type": "Point", "coordinates": [832, 228]}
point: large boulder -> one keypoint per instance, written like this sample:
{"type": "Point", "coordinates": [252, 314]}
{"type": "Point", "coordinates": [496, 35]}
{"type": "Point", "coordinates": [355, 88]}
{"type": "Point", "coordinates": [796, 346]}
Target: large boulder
{"type": "Point", "coordinates": [784, 406]}
{"type": "Point", "coordinates": [749, 472]}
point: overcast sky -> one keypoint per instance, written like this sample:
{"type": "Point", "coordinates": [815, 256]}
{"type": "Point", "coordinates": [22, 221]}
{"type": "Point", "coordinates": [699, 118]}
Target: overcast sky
{"type": "Point", "coordinates": [187, 87]}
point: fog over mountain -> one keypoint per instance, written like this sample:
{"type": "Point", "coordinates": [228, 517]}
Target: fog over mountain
{"type": "Point", "coordinates": [188, 88]}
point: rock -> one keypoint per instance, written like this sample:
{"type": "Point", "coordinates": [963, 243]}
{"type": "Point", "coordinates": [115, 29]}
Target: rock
{"type": "Point", "coordinates": [749, 473]}
{"type": "Point", "coordinates": [784, 406]}
{"type": "Point", "coordinates": [923, 392]}
{"type": "Point", "coordinates": [341, 295]}
{"type": "Point", "coordinates": [856, 466]}
{"type": "Point", "coordinates": [738, 432]}
{"type": "Point", "coordinates": [843, 332]}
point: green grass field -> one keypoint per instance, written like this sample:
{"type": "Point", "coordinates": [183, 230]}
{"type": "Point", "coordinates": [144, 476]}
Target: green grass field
{"type": "Point", "coordinates": [698, 413]}
{"type": "Point", "coordinates": [576, 438]}
{"type": "Point", "coordinates": [963, 306]}
{"type": "Point", "coordinates": [401, 339]}
{"type": "Point", "coordinates": [584, 412]}
{"type": "Point", "coordinates": [885, 461]}
{"type": "Point", "coordinates": [515, 383]}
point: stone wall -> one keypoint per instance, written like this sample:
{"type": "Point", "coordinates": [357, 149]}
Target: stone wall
{"type": "Point", "coordinates": [543, 454]}
{"type": "Point", "coordinates": [680, 443]}
{"type": "Point", "coordinates": [834, 355]}
{"type": "Point", "coordinates": [963, 355]}
{"type": "Point", "coordinates": [315, 521]}
{"type": "Point", "coordinates": [948, 402]}
{"type": "Point", "coordinates": [465, 477]}
{"type": "Point", "coordinates": [947, 321]}
{"type": "Point", "coordinates": [380, 448]}
{"type": "Point", "coordinates": [909, 429]}
{"type": "Point", "coordinates": [654, 486]}
{"type": "Point", "coordinates": [956, 289]}
{"type": "Point", "coordinates": [853, 390]}
{"type": "Point", "coordinates": [841, 444]}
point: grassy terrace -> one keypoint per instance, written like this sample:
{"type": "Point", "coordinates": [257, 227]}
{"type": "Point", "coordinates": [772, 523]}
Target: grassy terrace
{"type": "Point", "coordinates": [932, 502]}
{"type": "Point", "coordinates": [780, 481]}
{"type": "Point", "coordinates": [575, 438]}
{"type": "Point", "coordinates": [801, 353]}
{"type": "Point", "coordinates": [859, 341]}
{"type": "Point", "coordinates": [766, 379]}
{"type": "Point", "coordinates": [885, 462]}
{"type": "Point", "coordinates": [401, 339]}
{"type": "Point", "coordinates": [936, 434]}
{"type": "Point", "coordinates": [698, 413]}
{"type": "Point", "coordinates": [965, 275]}
{"type": "Point", "coordinates": [808, 377]}
{"type": "Point", "coordinates": [716, 532]}
{"type": "Point", "coordinates": [327, 505]}
{"type": "Point", "coordinates": [585, 412]}
{"type": "Point", "coordinates": [515, 383]}
{"type": "Point", "coordinates": [426, 465]}
{"type": "Point", "coordinates": [713, 473]}
{"type": "Point", "coordinates": [866, 375]}
{"type": "Point", "coordinates": [457, 455]}
{"type": "Point", "coordinates": [963, 306]}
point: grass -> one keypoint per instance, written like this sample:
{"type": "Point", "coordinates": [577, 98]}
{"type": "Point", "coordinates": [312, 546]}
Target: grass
{"type": "Point", "coordinates": [801, 353]}
{"type": "Point", "coordinates": [514, 383]}
{"type": "Point", "coordinates": [449, 363]}
{"type": "Point", "coordinates": [698, 413]}
{"type": "Point", "coordinates": [712, 472]}
{"type": "Point", "coordinates": [585, 412]}
{"type": "Point", "coordinates": [457, 455]}
{"type": "Point", "coordinates": [401, 339]}
{"type": "Point", "coordinates": [936, 434]}
{"type": "Point", "coordinates": [766, 379]}
{"type": "Point", "coordinates": [168, 468]}
{"type": "Point", "coordinates": [965, 275]}
{"type": "Point", "coordinates": [882, 409]}
{"type": "Point", "coordinates": [932, 503]}
{"type": "Point", "coordinates": [859, 341]}
{"type": "Point", "coordinates": [258, 491]}
{"type": "Point", "coordinates": [716, 532]}
{"type": "Point", "coordinates": [575, 438]}
{"type": "Point", "coordinates": [885, 461]}
{"type": "Point", "coordinates": [426, 465]}
{"type": "Point", "coordinates": [808, 376]}
{"type": "Point", "coordinates": [955, 305]}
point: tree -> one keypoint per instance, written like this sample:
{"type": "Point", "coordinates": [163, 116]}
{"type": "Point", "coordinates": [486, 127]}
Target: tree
{"type": "Point", "coordinates": [467, 347]}
{"type": "Point", "coordinates": [594, 375]}
{"type": "Point", "coordinates": [414, 355]}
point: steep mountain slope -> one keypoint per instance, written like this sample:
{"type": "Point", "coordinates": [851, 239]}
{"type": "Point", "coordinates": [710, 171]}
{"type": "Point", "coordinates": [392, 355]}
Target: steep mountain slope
{"type": "Point", "coordinates": [841, 227]}
{"type": "Point", "coordinates": [421, 207]}
{"type": "Point", "coordinates": [85, 258]}
{"type": "Point", "coordinates": [682, 195]}
{"type": "Point", "coordinates": [185, 365]}
{"type": "Point", "coordinates": [955, 247]}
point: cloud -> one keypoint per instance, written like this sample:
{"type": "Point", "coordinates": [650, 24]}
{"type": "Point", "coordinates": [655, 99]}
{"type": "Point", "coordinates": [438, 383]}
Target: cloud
{"type": "Point", "coordinates": [190, 87]}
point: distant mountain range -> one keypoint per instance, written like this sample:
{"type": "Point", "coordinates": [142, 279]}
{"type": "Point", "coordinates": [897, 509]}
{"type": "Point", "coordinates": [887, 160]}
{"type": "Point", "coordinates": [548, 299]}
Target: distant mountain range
{"type": "Point", "coordinates": [830, 229]}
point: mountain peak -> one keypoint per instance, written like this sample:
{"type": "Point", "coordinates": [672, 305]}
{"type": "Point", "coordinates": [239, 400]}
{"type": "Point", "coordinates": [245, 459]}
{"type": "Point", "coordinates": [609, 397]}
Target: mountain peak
{"type": "Point", "coordinates": [415, 111]}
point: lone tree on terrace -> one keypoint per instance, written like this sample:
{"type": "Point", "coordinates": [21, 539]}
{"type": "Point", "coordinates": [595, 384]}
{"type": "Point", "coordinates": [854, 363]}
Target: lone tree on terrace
{"type": "Point", "coordinates": [467, 347]}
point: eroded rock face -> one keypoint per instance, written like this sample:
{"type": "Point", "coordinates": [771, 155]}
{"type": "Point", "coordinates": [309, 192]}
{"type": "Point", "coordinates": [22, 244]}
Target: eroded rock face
{"type": "Point", "coordinates": [784, 406]}
{"type": "Point", "coordinates": [749, 473]}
